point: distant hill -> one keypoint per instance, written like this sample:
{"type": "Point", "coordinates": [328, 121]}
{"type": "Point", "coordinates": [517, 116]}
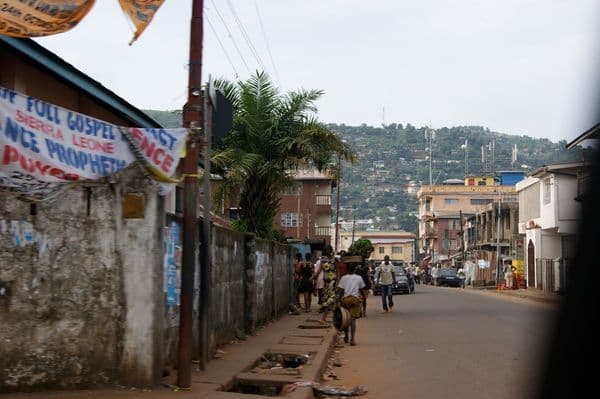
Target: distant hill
{"type": "Point", "coordinates": [393, 158]}
{"type": "Point", "coordinates": [168, 119]}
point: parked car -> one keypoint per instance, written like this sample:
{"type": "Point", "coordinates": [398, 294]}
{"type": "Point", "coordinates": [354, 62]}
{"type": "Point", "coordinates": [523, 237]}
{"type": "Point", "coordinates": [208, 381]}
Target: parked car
{"type": "Point", "coordinates": [448, 277]}
{"type": "Point", "coordinates": [404, 284]}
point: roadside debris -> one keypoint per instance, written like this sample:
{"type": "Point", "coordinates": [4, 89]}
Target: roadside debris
{"type": "Point", "coordinates": [293, 309]}
{"type": "Point", "coordinates": [325, 389]}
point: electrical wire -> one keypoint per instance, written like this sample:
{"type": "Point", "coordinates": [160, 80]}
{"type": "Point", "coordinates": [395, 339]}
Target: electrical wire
{"type": "Point", "coordinates": [246, 36]}
{"type": "Point", "coordinates": [230, 36]}
{"type": "Point", "coordinates": [262, 27]}
{"type": "Point", "coordinates": [237, 75]}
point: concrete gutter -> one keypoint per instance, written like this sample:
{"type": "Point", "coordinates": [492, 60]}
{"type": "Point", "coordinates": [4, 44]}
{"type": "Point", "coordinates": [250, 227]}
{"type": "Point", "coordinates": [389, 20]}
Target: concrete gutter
{"type": "Point", "coordinates": [305, 339]}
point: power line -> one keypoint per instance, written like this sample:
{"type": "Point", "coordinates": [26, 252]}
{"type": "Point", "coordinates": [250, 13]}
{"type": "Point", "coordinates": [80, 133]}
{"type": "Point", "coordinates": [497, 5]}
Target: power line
{"type": "Point", "coordinates": [262, 27]}
{"type": "Point", "coordinates": [222, 47]}
{"type": "Point", "coordinates": [246, 36]}
{"type": "Point", "coordinates": [231, 36]}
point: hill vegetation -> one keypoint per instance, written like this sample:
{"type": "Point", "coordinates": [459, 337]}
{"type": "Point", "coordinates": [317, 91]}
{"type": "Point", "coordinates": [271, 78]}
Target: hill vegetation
{"type": "Point", "coordinates": [393, 162]}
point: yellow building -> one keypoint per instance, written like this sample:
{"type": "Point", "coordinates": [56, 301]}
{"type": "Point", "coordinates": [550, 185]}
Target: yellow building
{"type": "Point", "coordinates": [399, 245]}
{"type": "Point", "coordinates": [480, 181]}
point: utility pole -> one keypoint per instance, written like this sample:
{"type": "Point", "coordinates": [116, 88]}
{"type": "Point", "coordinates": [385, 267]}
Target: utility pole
{"type": "Point", "coordinates": [498, 268]}
{"type": "Point", "coordinates": [298, 214]}
{"type": "Point", "coordinates": [192, 116]}
{"type": "Point", "coordinates": [431, 138]}
{"type": "Point", "coordinates": [337, 205]}
{"type": "Point", "coordinates": [353, 229]}
{"type": "Point", "coordinates": [205, 241]}
{"type": "Point", "coordinates": [462, 240]}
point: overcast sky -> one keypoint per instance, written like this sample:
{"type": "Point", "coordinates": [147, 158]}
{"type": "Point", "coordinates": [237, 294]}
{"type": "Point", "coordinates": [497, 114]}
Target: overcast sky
{"type": "Point", "coordinates": [515, 66]}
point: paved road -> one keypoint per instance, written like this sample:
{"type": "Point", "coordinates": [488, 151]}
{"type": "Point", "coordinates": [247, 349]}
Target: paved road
{"type": "Point", "coordinates": [448, 343]}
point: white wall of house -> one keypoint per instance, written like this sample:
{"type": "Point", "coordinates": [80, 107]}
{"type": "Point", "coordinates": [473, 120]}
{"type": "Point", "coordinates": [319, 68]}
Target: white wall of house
{"type": "Point", "coordinates": [568, 210]}
{"type": "Point", "coordinates": [548, 202]}
{"type": "Point", "coordinates": [551, 247]}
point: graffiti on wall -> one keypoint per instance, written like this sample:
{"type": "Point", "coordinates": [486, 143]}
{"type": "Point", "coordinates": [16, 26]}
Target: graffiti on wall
{"type": "Point", "coordinates": [172, 272]}
{"type": "Point", "coordinates": [22, 234]}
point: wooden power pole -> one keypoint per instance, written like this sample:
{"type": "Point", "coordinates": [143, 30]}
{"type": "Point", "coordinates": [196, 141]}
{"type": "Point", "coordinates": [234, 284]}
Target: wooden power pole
{"type": "Point", "coordinates": [192, 117]}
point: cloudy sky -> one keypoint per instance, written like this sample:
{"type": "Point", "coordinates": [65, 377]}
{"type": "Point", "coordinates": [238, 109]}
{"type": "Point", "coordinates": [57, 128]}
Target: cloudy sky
{"type": "Point", "coordinates": [515, 66]}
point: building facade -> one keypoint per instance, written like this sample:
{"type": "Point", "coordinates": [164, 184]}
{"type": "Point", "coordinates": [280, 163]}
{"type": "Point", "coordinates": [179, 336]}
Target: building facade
{"type": "Point", "coordinates": [441, 208]}
{"type": "Point", "coordinates": [549, 219]}
{"type": "Point", "coordinates": [398, 245]}
{"type": "Point", "coordinates": [305, 209]}
{"type": "Point", "coordinates": [492, 240]}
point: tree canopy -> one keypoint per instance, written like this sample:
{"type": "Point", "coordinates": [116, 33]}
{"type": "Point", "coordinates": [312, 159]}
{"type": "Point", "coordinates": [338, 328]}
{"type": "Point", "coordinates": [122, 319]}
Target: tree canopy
{"type": "Point", "coordinates": [273, 135]}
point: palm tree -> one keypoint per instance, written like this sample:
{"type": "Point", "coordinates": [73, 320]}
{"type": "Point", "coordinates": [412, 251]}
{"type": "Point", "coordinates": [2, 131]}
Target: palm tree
{"type": "Point", "coordinates": [273, 135]}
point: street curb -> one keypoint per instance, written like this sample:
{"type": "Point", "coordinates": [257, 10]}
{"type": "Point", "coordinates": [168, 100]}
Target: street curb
{"type": "Point", "coordinates": [521, 294]}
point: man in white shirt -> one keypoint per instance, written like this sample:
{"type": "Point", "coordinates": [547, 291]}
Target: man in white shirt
{"type": "Point", "coordinates": [435, 272]}
{"type": "Point", "coordinates": [385, 277]}
{"type": "Point", "coordinates": [348, 289]}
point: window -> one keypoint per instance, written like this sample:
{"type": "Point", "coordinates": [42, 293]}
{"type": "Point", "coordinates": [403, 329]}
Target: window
{"type": "Point", "coordinates": [482, 183]}
{"type": "Point", "coordinates": [547, 190]}
{"type": "Point", "coordinates": [450, 201]}
{"type": "Point", "coordinates": [428, 205]}
{"type": "Point", "coordinates": [381, 250]}
{"type": "Point", "coordinates": [455, 225]}
{"type": "Point", "coordinates": [471, 182]}
{"type": "Point", "coordinates": [481, 201]}
{"type": "Point", "coordinates": [296, 189]}
{"type": "Point", "coordinates": [396, 250]}
{"type": "Point", "coordinates": [290, 219]}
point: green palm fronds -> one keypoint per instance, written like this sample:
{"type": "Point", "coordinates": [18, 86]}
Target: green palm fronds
{"type": "Point", "coordinates": [272, 134]}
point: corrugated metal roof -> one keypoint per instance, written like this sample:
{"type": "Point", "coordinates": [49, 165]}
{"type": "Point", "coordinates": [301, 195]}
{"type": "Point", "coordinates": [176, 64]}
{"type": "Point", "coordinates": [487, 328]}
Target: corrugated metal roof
{"type": "Point", "coordinates": [37, 55]}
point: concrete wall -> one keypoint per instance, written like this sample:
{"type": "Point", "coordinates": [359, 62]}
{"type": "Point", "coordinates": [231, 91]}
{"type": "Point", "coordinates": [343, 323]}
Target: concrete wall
{"type": "Point", "coordinates": [228, 280]}
{"type": "Point", "coordinates": [84, 297]}
{"type": "Point", "coordinates": [78, 304]}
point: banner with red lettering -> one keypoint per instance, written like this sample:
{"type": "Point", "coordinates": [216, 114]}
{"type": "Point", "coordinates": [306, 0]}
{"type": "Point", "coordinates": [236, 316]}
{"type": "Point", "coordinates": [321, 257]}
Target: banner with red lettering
{"type": "Point", "coordinates": [43, 146]}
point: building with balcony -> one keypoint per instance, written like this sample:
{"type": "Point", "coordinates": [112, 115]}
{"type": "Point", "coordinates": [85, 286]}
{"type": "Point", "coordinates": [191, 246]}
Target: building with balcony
{"type": "Point", "coordinates": [441, 208]}
{"type": "Point", "coordinates": [549, 211]}
{"type": "Point", "coordinates": [492, 239]}
{"type": "Point", "coordinates": [305, 208]}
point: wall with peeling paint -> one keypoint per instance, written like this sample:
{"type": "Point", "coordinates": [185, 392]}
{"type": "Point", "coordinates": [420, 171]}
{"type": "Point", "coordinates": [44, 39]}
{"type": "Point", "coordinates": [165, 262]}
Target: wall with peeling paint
{"type": "Point", "coordinates": [80, 289]}
{"type": "Point", "coordinates": [84, 296]}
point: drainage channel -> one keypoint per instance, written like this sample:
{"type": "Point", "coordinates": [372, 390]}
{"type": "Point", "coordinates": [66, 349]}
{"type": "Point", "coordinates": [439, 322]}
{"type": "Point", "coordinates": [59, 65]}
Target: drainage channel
{"type": "Point", "coordinates": [270, 373]}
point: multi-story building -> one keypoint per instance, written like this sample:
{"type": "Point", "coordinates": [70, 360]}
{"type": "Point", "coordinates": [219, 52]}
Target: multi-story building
{"type": "Point", "coordinates": [492, 239]}
{"type": "Point", "coordinates": [305, 208]}
{"type": "Point", "coordinates": [443, 207]}
{"type": "Point", "coordinates": [549, 211]}
{"type": "Point", "coordinates": [399, 245]}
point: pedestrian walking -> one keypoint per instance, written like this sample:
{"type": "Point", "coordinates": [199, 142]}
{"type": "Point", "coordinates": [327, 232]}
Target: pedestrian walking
{"type": "Point", "coordinates": [318, 282]}
{"type": "Point", "coordinates": [297, 263]}
{"type": "Point", "coordinates": [305, 287]}
{"type": "Point", "coordinates": [461, 277]}
{"type": "Point", "coordinates": [385, 277]}
{"type": "Point", "coordinates": [418, 275]}
{"type": "Point", "coordinates": [348, 289]}
{"type": "Point", "coordinates": [365, 273]}
{"type": "Point", "coordinates": [509, 276]}
{"type": "Point", "coordinates": [435, 272]}
{"type": "Point", "coordinates": [328, 294]}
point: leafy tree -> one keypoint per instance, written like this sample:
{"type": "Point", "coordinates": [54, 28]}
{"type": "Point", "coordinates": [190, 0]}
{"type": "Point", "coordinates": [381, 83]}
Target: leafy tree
{"type": "Point", "coordinates": [362, 247]}
{"type": "Point", "coordinates": [273, 134]}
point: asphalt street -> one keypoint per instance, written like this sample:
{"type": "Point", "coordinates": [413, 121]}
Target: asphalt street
{"type": "Point", "coordinates": [448, 343]}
